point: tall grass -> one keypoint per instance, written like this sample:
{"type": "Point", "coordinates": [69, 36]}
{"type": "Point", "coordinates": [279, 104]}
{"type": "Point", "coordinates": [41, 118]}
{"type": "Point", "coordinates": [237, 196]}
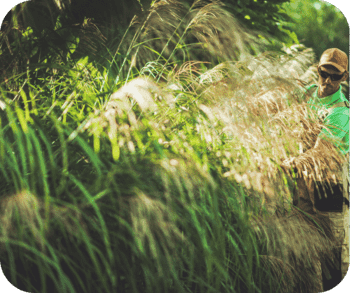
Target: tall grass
{"type": "Point", "coordinates": [173, 182]}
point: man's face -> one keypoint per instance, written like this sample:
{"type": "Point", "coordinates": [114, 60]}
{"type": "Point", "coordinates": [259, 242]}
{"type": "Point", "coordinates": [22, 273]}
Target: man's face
{"type": "Point", "coordinates": [326, 85]}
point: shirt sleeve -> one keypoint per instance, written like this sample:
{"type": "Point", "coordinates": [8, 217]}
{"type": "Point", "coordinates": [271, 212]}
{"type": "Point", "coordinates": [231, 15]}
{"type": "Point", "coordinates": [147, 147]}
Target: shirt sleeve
{"type": "Point", "coordinates": [337, 123]}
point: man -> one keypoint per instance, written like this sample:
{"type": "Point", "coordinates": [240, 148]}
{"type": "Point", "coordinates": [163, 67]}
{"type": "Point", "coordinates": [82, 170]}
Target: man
{"type": "Point", "coordinates": [332, 109]}
{"type": "Point", "coordinates": [327, 97]}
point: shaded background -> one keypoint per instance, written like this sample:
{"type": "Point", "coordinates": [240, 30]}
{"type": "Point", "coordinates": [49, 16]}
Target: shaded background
{"type": "Point", "coordinates": [42, 34]}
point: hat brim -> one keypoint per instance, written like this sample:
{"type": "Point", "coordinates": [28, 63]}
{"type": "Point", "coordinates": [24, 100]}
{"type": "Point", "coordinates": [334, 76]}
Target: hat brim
{"type": "Point", "coordinates": [340, 68]}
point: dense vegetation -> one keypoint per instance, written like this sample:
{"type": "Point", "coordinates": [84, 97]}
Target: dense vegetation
{"type": "Point", "coordinates": [147, 158]}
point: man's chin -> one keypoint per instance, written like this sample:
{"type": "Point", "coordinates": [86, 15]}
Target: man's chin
{"type": "Point", "coordinates": [327, 91]}
{"type": "Point", "coordinates": [324, 91]}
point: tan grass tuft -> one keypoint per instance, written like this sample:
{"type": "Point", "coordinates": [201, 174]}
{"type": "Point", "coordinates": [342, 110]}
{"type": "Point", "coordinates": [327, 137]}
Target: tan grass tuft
{"type": "Point", "coordinates": [22, 208]}
{"type": "Point", "coordinates": [23, 213]}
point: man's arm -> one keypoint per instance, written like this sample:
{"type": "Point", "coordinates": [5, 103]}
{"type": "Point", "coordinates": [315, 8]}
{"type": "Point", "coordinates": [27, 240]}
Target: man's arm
{"type": "Point", "coordinates": [321, 160]}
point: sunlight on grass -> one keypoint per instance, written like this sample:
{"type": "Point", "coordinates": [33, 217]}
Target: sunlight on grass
{"type": "Point", "coordinates": [159, 172]}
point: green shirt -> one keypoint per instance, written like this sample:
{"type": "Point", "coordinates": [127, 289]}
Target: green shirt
{"type": "Point", "coordinates": [337, 119]}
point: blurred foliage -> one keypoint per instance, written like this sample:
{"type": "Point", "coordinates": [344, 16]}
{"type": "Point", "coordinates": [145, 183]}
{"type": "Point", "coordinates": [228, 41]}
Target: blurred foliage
{"type": "Point", "coordinates": [261, 15]}
{"type": "Point", "coordinates": [58, 28]}
{"type": "Point", "coordinates": [318, 25]}
{"type": "Point", "coordinates": [46, 31]}
{"type": "Point", "coordinates": [42, 36]}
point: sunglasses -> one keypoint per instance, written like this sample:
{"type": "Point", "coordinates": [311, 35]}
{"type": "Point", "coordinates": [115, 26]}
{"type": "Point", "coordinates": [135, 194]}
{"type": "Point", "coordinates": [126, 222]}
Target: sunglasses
{"type": "Point", "coordinates": [334, 77]}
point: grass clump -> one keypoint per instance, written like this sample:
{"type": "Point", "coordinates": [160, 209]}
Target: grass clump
{"type": "Point", "coordinates": [160, 173]}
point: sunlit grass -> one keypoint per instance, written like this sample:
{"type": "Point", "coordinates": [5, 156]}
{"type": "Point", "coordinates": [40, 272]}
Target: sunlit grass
{"type": "Point", "coordinates": [170, 184]}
